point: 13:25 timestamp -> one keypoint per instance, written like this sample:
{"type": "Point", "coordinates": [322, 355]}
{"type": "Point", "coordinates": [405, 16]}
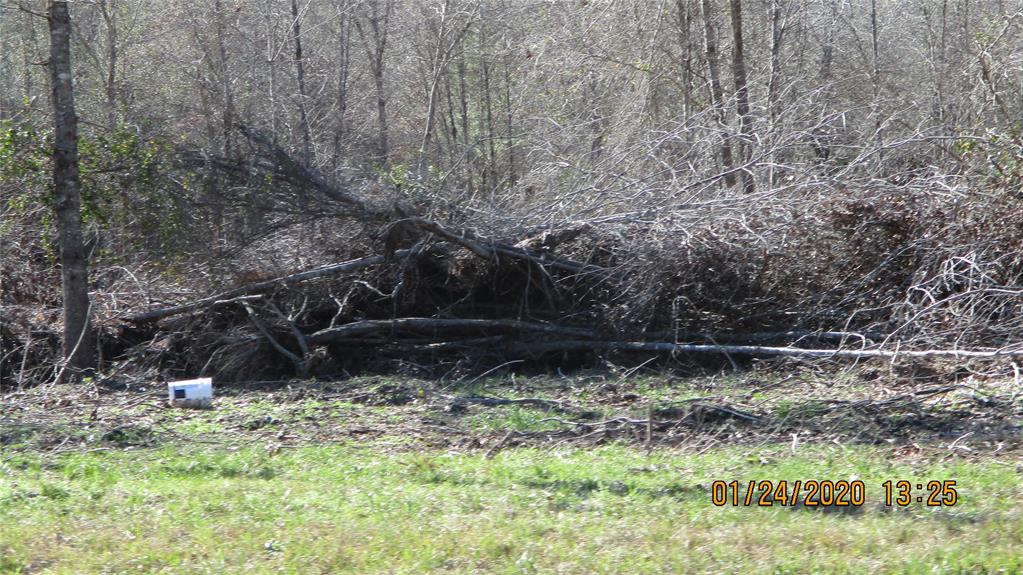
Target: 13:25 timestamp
{"type": "Point", "coordinates": [935, 493]}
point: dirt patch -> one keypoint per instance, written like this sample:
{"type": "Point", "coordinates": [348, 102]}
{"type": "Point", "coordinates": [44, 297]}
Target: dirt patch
{"type": "Point", "coordinates": [696, 413]}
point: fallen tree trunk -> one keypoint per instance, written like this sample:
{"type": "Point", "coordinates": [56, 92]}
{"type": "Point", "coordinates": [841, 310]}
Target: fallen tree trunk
{"type": "Point", "coordinates": [285, 166]}
{"type": "Point", "coordinates": [757, 350]}
{"type": "Point", "coordinates": [264, 286]}
{"type": "Point", "coordinates": [491, 249]}
{"type": "Point", "coordinates": [419, 324]}
{"type": "Point", "coordinates": [790, 336]}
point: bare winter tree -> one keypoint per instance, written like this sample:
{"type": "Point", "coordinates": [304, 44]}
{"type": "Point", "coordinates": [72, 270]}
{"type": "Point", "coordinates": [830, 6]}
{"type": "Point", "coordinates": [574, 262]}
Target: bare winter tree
{"type": "Point", "coordinates": [344, 62]}
{"type": "Point", "coordinates": [741, 95]}
{"type": "Point", "coordinates": [373, 27]}
{"type": "Point", "coordinates": [78, 345]}
{"type": "Point", "coordinates": [448, 32]}
{"type": "Point", "coordinates": [303, 119]}
{"type": "Point", "coordinates": [710, 46]}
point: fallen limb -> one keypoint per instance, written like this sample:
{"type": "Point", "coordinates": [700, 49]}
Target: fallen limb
{"type": "Point", "coordinates": [263, 286]}
{"type": "Point", "coordinates": [492, 249]}
{"type": "Point", "coordinates": [300, 364]}
{"type": "Point", "coordinates": [695, 411]}
{"type": "Point", "coordinates": [757, 350]}
{"type": "Point", "coordinates": [904, 398]}
{"type": "Point", "coordinates": [419, 324]}
{"type": "Point", "coordinates": [486, 249]}
{"type": "Point", "coordinates": [527, 401]}
{"type": "Point", "coordinates": [790, 336]}
{"type": "Point", "coordinates": [550, 238]}
{"type": "Point", "coordinates": [286, 167]}
{"type": "Point", "coordinates": [499, 445]}
{"type": "Point", "coordinates": [483, 248]}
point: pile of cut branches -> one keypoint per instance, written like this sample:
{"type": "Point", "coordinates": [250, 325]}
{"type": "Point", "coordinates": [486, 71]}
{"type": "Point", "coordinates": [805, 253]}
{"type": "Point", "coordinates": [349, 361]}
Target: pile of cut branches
{"type": "Point", "coordinates": [408, 306]}
{"type": "Point", "coordinates": [426, 289]}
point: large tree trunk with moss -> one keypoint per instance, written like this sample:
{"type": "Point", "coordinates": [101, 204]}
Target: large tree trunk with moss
{"type": "Point", "coordinates": [78, 347]}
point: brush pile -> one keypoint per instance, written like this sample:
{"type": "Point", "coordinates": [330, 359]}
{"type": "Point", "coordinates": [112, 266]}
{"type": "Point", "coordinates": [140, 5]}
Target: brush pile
{"type": "Point", "coordinates": [428, 288]}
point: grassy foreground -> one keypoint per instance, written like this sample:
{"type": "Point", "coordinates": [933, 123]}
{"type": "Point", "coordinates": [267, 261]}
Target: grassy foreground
{"type": "Point", "coordinates": [374, 508]}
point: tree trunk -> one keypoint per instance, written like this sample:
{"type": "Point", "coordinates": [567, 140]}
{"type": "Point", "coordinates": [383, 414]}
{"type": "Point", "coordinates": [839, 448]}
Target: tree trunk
{"type": "Point", "coordinates": [821, 142]}
{"type": "Point", "coordinates": [303, 120]}
{"type": "Point", "coordinates": [875, 77]}
{"type": "Point", "coordinates": [710, 45]}
{"type": "Point", "coordinates": [686, 42]}
{"type": "Point", "coordinates": [940, 115]}
{"type": "Point", "coordinates": [449, 121]}
{"type": "Point", "coordinates": [486, 112]}
{"type": "Point", "coordinates": [375, 50]}
{"type": "Point", "coordinates": [344, 59]}
{"type": "Point", "coordinates": [436, 65]}
{"type": "Point", "coordinates": [271, 70]}
{"type": "Point", "coordinates": [6, 69]}
{"type": "Point", "coordinates": [741, 96]}
{"type": "Point", "coordinates": [509, 118]}
{"type": "Point", "coordinates": [463, 100]}
{"type": "Point", "coordinates": [777, 33]}
{"type": "Point", "coordinates": [78, 345]}
{"type": "Point", "coordinates": [109, 19]}
{"type": "Point", "coordinates": [28, 65]}
{"type": "Point", "coordinates": [225, 79]}
{"type": "Point", "coordinates": [773, 103]}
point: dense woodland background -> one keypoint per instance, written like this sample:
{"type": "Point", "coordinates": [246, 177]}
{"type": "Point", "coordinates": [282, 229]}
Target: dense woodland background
{"type": "Point", "coordinates": [726, 168]}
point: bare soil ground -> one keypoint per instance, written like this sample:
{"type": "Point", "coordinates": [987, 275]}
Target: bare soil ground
{"type": "Point", "coordinates": [909, 407]}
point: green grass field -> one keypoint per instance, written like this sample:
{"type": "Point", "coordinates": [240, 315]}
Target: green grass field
{"type": "Point", "coordinates": [224, 491]}
{"type": "Point", "coordinates": [360, 509]}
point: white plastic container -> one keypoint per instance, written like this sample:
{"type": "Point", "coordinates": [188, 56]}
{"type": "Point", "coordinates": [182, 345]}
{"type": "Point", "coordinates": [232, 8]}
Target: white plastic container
{"type": "Point", "coordinates": [194, 393]}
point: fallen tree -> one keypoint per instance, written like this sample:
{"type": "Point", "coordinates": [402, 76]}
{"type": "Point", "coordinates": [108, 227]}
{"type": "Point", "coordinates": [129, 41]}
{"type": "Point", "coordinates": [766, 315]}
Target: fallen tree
{"type": "Point", "coordinates": [438, 325]}
{"type": "Point", "coordinates": [761, 351]}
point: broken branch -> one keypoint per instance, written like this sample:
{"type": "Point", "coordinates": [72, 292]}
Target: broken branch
{"type": "Point", "coordinates": [372, 326]}
{"type": "Point", "coordinates": [263, 286]}
{"type": "Point", "coordinates": [757, 350]}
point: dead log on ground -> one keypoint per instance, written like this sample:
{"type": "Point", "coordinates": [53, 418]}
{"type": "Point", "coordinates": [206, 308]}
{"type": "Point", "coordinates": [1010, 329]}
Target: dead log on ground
{"type": "Point", "coordinates": [756, 350]}
{"type": "Point", "coordinates": [420, 324]}
{"type": "Point", "coordinates": [789, 337]}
